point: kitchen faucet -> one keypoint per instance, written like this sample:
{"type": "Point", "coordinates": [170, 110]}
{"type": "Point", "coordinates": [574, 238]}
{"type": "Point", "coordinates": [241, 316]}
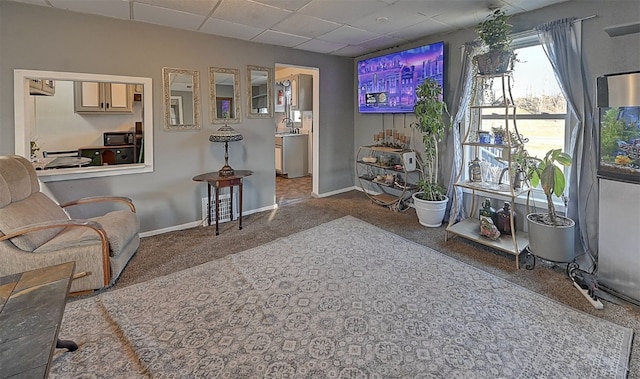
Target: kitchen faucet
{"type": "Point", "coordinates": [289, 123]}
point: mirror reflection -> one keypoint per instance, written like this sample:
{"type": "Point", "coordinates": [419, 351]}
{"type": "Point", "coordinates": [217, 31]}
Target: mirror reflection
{"type": "Point", "coordinates": [181, 99]}
{"type": "Point", "coordinates": [224, 92]}
{"type": "Point", "coordinates": [259, 95]}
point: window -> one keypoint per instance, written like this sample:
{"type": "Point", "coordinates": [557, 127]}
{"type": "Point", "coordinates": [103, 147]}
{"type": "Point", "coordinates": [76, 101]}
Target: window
{"type": "Point", "coordinates": [541, 111]}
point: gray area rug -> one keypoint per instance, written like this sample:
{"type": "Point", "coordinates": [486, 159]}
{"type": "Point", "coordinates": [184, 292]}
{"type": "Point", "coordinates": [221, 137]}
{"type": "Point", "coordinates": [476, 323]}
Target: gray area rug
{"type": "Point", "coordinates": [344, 299]}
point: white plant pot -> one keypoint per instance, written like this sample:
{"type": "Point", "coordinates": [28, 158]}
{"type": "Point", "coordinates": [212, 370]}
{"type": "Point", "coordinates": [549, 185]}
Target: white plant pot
{"type": "Point", "coordinates": [552, 243]}
{"type": "Point", "coordinates": [430, 213]}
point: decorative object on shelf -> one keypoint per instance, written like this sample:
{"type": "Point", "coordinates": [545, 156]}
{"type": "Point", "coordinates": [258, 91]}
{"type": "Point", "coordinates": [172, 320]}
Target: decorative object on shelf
{"type": "Point", "coordinates": [503, 219]}
{"type": "Point", "coordinates": [225, 134]}
{"type": "Point", "coordinates": [369, 159]}
{"type": "Point", "coordinates": [494, 33]}
{"type": "Point", "coordinates": [489, 230]}
{"type": "Point", "coordinates": [475, 170]}
{"type": "Point", "coordinates": [498, 135]}
{"type": "Point", "coordinates": [484, 137]}
{"type": "Point", "coordinates": [551, 237]}
{"type": "Point", "coordinates": [487, 212]}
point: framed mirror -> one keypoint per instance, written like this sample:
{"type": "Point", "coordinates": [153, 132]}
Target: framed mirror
{"type": "Point", "coordinates": [224, 95]}
{"type": "Point", "coordinates": [181, 90]}
{"type": "Point", "coordinates": [259, 96]}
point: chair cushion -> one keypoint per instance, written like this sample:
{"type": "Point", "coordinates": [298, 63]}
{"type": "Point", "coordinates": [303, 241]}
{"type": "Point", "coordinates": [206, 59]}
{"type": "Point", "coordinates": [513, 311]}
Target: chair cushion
{"type": "Point", "coordinates": [120, 227]}
{"type": "Point", "coordinates": [34, 209]}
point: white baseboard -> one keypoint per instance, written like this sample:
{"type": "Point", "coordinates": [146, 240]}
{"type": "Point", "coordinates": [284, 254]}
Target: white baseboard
{"type": "Point", "coordinates": [193, 224]}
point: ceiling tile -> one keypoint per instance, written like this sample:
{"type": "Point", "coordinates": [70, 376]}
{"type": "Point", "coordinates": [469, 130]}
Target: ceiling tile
{"type": "Point", "coordinates": [341, 11]}
{"type": "Point", "coordinates": [351, 51]}
{"type": "Point", "coordinates": [388, 19]}
{"type": "Point", "coordinates": [114, 9]}
{"type": "Point", "coordinates": [249, 13]}
{"type": "Point", "coordinates": [319, 46]}
{"type": "Point", "coordinates": [280, 39]}
{"type": "Point", "coordinates": [229, 29]}
{"type": "Point", "coordinates": [200, 7]}
{"type": "Point", "coordinates": [383, 42]}
{"type": "Point", "coordinates": [167, 17]}
{"type": "Point", "coordinates": [292, 5]}
{"type": "Point", "coordinates": [348, 35]}
{"type": "Point", "coordinates": [420, 30]}
{"type": "Point", "coordinates": [303, 25]}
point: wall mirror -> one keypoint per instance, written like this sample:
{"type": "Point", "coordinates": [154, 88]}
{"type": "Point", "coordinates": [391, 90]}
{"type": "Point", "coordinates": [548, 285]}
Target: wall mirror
{"type": "Point", "coordinates": [224, 94]}
{"type": "Point", "coordinates": [181, 90]}
{"type": "Point", "coordinates": [47, 118]}
{"type": "Point", "coordinates": [260, 98]}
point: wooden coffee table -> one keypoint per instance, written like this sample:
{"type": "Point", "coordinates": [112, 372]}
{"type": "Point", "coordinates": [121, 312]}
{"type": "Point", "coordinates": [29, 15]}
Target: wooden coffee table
{"type": "Point", "coordinates": [31, 308]}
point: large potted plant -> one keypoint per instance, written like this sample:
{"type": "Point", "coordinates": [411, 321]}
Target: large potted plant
{"type": "Point", "coordinates": [430, 201]}
{"type": "Point", "coordinates": [551, 236]}
{"type": "Point", "coordinates": [494, 33]}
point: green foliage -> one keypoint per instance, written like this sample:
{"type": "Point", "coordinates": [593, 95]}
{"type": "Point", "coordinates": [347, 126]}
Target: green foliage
{"type": "Point", "coordinates": [429, 110]}
{"type": "Point", "coordinates": [494, 31]}
{"type": "Point", "coordinates": [551, 178]}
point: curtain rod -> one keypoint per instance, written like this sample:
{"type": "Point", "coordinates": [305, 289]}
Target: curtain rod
{"type": "Point", "coordinates": [586, 18]}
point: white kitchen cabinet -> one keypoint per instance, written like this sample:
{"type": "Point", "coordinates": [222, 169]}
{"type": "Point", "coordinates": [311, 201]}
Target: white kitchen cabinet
{"type": "Point", "coordinates": [44, 87]}
{"type": "Point", "coordinates": [291, 155]}
{"type": "Point", "coordinates": [92, 97]}
{"type": "Point", "coordinates": [302, 92]}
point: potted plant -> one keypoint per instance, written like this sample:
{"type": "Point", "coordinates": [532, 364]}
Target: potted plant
{"type": "Point", "coordinates": [494, 33]}
{"type": "Point", "coordinates": [551, 236]}
{"type": "Point", "coordinates": [430, 201]}
{"type": "Point", "coordinates": [499, 134]}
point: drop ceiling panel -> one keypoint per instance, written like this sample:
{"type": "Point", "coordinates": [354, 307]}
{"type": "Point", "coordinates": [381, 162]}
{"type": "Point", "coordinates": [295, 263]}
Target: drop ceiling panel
{"type": "Point", "coordinates": [353, 27]}
{"type": "Point", "coordinates": [201, 7]}
{"type": "Point", "coordinates": [230, 29]}
{"type": "Point", "coordinates": [388, 20]}
{"type": "Point", "coordinates": [292, 5]}
{"type": "Point", "coordinates": [417, 31]}
{"type": "Point", "coordinates": [164, 16]}
{"type": "Point", "coordinates": [278, 38]}
{"type": "Point", "coordinates": [342, 11]}
{"type": "Point", "coordinates": [348, 35]}
{"type": "Point", "coordinates": [303, 25]}
{"type": "Point", "coordinates": [320, 46]}
{"type": "Point", "coordinates": [249, 13]}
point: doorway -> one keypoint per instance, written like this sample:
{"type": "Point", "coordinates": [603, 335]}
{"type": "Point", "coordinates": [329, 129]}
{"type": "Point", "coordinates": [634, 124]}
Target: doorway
{"type": "Point", "coordinates": [296, 112]}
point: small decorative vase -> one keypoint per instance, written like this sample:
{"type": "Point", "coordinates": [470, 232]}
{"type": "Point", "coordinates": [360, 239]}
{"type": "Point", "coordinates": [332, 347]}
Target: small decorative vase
{"type": "Point", "coordinates": [484, 137]}
{"type": "Point", "coordinates": [497, 139]}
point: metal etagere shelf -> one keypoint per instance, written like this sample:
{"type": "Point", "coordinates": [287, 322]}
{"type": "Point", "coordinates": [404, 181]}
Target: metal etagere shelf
{"type": "Point", "coordinates": [502, 102]}
{"type": "Point", "coordinates": [384, 176]}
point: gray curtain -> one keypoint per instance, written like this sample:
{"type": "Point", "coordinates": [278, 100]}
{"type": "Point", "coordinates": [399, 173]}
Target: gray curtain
{"type": "Point", "coordinates": [459, 110]}
{"type": "Point", "coordinates": [561, 40]}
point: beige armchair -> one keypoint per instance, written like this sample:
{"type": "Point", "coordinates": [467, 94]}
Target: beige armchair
{"type": "Point", "coordinates": [36, 232]}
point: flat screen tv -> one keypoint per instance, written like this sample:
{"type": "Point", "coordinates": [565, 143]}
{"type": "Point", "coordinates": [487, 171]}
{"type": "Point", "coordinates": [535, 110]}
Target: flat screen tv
{"type": "Point", "coordinates": [387, 83]}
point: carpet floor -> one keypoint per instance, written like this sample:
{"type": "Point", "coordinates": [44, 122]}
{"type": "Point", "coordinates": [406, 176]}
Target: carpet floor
{"type": "Point", "coordinates": [175, 251]}
{"type": "Point", "coordinates": [344, 299]}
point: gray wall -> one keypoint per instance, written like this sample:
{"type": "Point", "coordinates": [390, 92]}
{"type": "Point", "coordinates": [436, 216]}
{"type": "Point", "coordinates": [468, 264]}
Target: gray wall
{"type": "Point", "coordinates": [39, 38]}
{"type": "Point", "coordinates": [603, 55]}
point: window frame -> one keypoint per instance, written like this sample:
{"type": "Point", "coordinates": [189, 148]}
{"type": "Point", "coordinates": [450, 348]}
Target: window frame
{"type": "Point", "coordinates": [519, 41]}
{"type": "Point", "coordinates": [23, 110]}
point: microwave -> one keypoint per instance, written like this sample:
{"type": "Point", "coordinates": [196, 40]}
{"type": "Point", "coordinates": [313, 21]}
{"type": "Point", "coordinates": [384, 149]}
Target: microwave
{"type": "Point", "coordinates": [118, 138]}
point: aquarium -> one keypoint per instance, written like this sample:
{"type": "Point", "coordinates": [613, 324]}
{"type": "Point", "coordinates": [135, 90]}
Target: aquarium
{"type": "Point", "coordinates": [619, 131]}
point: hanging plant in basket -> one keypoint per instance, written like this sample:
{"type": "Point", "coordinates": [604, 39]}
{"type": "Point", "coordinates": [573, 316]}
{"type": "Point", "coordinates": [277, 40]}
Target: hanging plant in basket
{"type": "Point", "coordinates": [494, 33]}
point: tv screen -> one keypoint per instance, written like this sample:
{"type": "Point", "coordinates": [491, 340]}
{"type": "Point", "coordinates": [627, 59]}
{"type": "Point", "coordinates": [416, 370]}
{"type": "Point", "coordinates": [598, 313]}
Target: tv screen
{"type": "Point", "coordinates": [387, 83]}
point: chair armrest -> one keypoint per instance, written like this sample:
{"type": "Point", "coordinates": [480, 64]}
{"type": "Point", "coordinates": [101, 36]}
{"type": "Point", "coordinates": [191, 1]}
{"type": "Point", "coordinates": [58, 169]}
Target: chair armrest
{"type": "Point", "coordinates": [54, 224]}
{"type": "Point", "coordinates": [99, 199]}
{"type": "Point", "coordinates": [73, 223]}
